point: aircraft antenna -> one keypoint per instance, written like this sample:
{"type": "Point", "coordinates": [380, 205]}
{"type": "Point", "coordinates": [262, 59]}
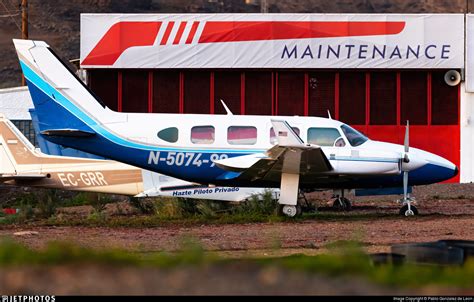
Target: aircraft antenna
{"type": "Point", "coordinates": [329, 115]}
{"type": "Point", "coordinates": [226, 108]}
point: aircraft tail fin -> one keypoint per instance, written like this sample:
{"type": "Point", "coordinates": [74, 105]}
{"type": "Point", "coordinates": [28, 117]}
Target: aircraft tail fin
{"type": "Point", "coordinates": [15, 149]}
{"type": "Point", "coordinates": [57, 93]}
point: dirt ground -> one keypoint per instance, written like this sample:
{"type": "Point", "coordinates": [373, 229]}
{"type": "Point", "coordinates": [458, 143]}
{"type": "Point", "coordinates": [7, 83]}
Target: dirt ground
{"type": "Point", "coordinates": [446, 212]}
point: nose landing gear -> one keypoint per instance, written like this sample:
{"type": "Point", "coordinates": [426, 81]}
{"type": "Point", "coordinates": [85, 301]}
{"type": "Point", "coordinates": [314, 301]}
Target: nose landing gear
{"type": "Point", "coordinates": [408, 209]}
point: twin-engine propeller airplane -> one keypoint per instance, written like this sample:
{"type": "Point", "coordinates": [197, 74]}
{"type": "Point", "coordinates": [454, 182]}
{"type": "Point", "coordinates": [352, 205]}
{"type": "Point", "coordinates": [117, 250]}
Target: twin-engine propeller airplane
{"type": "Point", "coordinates": [23, 165]}
{"type": "Point", "coordinates": [224, 150]}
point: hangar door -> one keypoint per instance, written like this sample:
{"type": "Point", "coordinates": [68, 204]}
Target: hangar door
{"type": "Point", "coordinates": [377, 103]}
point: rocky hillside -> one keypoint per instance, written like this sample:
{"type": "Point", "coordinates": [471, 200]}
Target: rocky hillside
{"type": "Point", "coordinates": [57, 22]}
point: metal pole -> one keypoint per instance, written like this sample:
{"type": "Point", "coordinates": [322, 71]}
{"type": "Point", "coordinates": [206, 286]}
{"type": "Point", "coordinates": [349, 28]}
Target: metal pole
{"type": "Point", "coordinates": [24, 28]}
{"type": "Point", "coordinates": [263, 6]}
{"type": "Point", "coordinates": [24, 19]}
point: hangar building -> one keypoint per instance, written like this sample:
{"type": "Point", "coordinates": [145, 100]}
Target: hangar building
{"type": "Point", "coordinates": [373, 72]}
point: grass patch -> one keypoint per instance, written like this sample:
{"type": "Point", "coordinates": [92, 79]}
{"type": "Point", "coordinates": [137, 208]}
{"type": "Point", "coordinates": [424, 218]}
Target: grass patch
{"type": "Point", "coordinates": [344, 259]}
{"type": "Point", "coordinates": [79, 199]}
{"type": "Point", "coordinates": [169, 214]}
{"type": "Point", "coordinates": [166, 211]}
{"type": "Point", "coordinates": [58, 253]}
{"type": "Point", "coordinates": [140, 221]}
{"type": "Point", "coordinates": [41, 205]}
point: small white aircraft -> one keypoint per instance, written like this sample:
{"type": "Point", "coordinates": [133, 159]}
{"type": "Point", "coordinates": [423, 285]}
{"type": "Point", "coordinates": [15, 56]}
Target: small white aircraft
{"type": "Point", "coordinates": [223, 150]}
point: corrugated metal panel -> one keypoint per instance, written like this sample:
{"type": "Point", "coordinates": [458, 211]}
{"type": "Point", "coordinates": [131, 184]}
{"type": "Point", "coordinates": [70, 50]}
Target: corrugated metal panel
{"type": "Point", "coordinates": [383, 98]}
{"type": "Point", "coordinates": [414, 98]}
{"type": "Point", "coordinates": [166, 91]}
{"type": "Point", "coordinates": [258, 92]}
{"type": "Point", "coordinates": [227, 86]}
{"type": "Point", "coordinates": [321, 93]}
{"type": "Point", "coordinates": [352, 98]}
{"type": "Point", "coordinates": [444, 107]}
{"type": "Point", "coordinates": [196, 91]}
{"type": "Point", "coordinates": [135, 91]}
{"type": "Point", "coordinates": [15, 102]}
{"type": "Point", "coordinates": [290, 93]}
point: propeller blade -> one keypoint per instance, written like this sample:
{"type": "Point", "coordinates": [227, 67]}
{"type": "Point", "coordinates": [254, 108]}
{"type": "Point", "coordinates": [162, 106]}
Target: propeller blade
{"type": "Point", "coordinates": [407, 138]}
{"type": "Point", "coordinates": [405, 185]}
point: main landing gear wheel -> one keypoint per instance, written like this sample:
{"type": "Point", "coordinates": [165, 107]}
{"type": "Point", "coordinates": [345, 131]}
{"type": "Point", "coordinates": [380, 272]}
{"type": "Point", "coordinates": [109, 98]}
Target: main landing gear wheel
{"type": "Point", "coordinates": [290, 210]}
{"type": "Point", "coordinates": [342, 204]}
{"type": "Point", "coordinates": [405, 212]}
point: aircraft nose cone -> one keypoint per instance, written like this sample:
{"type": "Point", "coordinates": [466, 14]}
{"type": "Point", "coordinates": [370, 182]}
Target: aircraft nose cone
{"type": "Point", "coordinates": [445, 172]}
{"type": "Point", "coordinates": [436, 169]}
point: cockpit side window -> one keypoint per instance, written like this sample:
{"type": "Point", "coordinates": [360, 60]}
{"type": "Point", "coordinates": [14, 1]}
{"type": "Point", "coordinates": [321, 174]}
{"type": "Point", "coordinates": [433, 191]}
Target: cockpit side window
{"type": "Point", "coordinates": [169, 135]}
{"type": "Point", "coordinates": [323, 136]}
{"type": "Point", "coordinates": [354, 137]}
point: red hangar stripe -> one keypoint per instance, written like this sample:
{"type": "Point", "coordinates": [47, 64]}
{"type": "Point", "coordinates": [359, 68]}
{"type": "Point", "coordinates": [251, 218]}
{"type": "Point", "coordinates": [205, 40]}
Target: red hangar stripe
{"type": "Point", "coordinates": [118, 38]}
{"type": "Point", "coordinates": [126, 34]}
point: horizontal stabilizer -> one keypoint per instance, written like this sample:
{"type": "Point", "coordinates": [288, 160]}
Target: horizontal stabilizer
{"type": "Point", "coordinates": [68, 133]}
{"type": "Point", "coordinates": [21, 177]}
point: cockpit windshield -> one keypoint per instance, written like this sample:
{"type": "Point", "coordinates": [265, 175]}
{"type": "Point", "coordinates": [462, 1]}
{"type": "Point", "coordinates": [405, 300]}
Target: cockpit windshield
{"type": "Point", "coordinates": [354, 137]}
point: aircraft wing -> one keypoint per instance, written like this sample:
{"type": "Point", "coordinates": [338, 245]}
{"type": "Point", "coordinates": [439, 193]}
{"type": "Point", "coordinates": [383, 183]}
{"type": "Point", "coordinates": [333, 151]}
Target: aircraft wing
{"type": "Point", "coordinates": [21, 177]}
{"type": "Point", "coordinates": [290, 155]}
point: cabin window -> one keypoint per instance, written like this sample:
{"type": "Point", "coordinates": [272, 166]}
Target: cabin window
{"type": "Point", "coordinates": [202, 134]}
{"type": "Point", "coordinates": [169, 134]}
{"type": "Point", "coordinates": [242, 135]}
{"type": "Point", "coordinates": [323, 136]}
{"type": "Point", "coordinates": [273, 138]}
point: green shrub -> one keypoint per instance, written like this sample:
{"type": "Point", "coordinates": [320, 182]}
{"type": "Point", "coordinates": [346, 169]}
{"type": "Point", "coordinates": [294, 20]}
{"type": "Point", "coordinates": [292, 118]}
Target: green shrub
{"type": "Point", "coordinates": [171, 208]}
{"type": "Point", "coordinates": [26, 198]}
{"type": "Point", "coordinates": [25, 213]}
{"type": "Point", "coordinates": [187, 206]}
{"type": "Point", "coordinates": [143, 205]}
{"type": "Point", "coordinates": [212, 208]}
{"type": "Point", "coordinates": [262, 204]}
{"type": "Point", "coordinates": [47, 202]}
{"type": "Point", "coordinates": [79, 199]}
{"type": "Point", "coordinates": [99, 201]}
{"type": "Point", "coordinates": [97, 218]}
